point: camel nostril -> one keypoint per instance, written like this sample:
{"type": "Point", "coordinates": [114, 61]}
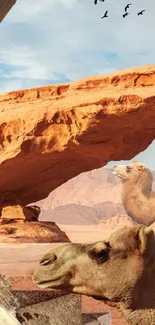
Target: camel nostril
{"type": "Point", "coordinates": [48, 259]}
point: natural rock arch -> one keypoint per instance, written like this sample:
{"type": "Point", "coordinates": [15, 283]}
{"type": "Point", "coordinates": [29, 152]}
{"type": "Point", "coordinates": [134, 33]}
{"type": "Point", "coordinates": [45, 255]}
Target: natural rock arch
{"type": "Point", "coordinates": [51, 134]}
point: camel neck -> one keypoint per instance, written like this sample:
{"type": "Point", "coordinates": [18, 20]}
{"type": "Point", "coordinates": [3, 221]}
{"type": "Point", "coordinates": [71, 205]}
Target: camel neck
{"type": "Point", "coordinates": [129, 190]}
{"type": "Point", "coordinates": [140, 317]}
{"type": "Point", "coordinates": [142, 308]}
{"type": "Point", "coordinates": [142, 185]}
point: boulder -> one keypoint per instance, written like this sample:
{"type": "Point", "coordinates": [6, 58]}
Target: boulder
{"type": "Point", "coordinates": [38, 307]}
{"type": "Point", "coordinates": [21, 231]}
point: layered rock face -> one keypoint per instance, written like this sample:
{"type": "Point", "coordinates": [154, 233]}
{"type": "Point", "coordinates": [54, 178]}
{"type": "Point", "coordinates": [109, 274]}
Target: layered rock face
{"type": "Point", "coordinates": [15, 231]}
{"type": "Point", "coordinates": [51, 134]}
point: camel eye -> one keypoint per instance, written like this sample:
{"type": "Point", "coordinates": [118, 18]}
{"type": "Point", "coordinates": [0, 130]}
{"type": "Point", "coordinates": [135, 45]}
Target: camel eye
{"type": "Point", "coordinates": [99, 256]}
{"type": "Point", "coordinates": [48, 259]}
{"type": "Point", "coordinates": [128, 169]}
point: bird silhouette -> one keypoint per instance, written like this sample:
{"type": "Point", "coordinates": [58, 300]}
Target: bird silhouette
{"type": "Point", "coordinates": [105, 15]}
{"type": "Point", "coordinates": [126, 14]}
{"type": "Point", "coordinates": [141, 12]}
{"type": "Point", "coordinates": [102, 0]}
{"type": "Point", "coordinates": [127, 7]}
{"type": "Point", "coordinates": [95, 2]}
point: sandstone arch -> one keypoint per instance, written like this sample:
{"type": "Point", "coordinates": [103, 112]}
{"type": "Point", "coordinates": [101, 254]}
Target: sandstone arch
{"type": "Point", "coordinates": [119, 270]}
{"type": "Point", "coordinates": [51, 134]}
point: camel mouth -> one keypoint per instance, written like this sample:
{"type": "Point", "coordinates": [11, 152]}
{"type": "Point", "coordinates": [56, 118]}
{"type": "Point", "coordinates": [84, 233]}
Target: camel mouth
{"type": "Point", "coordinates": [116, 172]}
{"type": "Point", "coordinates": [56, 282]}
{"type": "Point", "coordinates": [53, 285]}
{"type": "Point", "coordinates": [113, 170]}
{"type": "Point", "coordinates": [47, 284]}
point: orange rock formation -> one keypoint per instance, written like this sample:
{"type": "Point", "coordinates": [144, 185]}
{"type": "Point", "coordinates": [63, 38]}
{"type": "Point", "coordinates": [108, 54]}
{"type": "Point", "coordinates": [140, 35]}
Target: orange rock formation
{"type": "Point", "coordinates": [51, 134]}
{"type": "Point", "coordinates": [15, 231]}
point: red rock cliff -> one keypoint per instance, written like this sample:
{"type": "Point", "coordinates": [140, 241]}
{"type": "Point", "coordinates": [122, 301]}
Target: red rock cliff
{"type": "Point", "coordinates": [51, 134]}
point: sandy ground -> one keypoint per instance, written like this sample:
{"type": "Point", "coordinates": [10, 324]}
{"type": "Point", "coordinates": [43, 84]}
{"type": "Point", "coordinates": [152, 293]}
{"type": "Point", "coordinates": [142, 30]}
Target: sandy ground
{"type": "Point", "coordinates": [21, 259]}
{"type": "Point", "coordinates": [90, 233]}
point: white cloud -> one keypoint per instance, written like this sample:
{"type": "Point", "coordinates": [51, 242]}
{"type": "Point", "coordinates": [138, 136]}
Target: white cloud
{"type": "Point", "coordinates": [66, 39]}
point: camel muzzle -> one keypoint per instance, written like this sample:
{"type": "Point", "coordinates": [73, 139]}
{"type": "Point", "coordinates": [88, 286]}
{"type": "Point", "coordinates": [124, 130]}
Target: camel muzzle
{"type": "Point", "coordinates": [113, 170]}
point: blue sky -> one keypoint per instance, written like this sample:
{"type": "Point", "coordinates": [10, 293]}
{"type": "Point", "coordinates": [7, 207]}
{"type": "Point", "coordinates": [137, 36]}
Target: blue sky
{"type": "Point", "coordinates": [57, 41]}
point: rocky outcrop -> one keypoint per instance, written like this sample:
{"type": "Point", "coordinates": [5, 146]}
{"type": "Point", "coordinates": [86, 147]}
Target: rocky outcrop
{"type": "Point", "coordinates": [15, 231]}
{"type": "Point", "coordinates": [17, 212]}
{"type": "Point", "coordinates": [38, 307]}
{"type": "Point", "coordinates": [51, 134]}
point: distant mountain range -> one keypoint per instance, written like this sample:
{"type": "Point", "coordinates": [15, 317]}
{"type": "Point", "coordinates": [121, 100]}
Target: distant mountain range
{"type": "Point", "coordinates": [86, 199]}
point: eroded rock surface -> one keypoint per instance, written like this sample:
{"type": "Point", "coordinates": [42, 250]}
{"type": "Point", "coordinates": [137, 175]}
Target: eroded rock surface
{"type": "Point", "coordinates": [38, 307]}
{"type": "Point", "coordinates": [16, 231]}
{"type": "Point", "coordinates": [51, 134]}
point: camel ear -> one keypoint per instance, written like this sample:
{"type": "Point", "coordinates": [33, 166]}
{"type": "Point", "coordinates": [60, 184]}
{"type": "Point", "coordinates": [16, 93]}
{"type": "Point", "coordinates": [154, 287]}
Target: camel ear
{"type": "Point", "coordinates": [141, 167]}
{"type": "Point", "coordinates": [144, 237]}
{"type": "Point", "coordinates": [138, 165]}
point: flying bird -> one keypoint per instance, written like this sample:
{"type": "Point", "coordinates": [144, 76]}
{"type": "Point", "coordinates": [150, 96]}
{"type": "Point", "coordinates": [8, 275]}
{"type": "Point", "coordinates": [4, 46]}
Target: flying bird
{"type": "Point", "coordinates": [127, 7]}
{"type": "Point", "coordinates": [95, 2]}
{"type": "Point", "coordinates": [126, 14]}
{"type": "Point", "coordinates": [105, 15]}
{"type": "Point", "coordinates": [141, 12]}
{"type": "Point", "coordinates": [102, 0]}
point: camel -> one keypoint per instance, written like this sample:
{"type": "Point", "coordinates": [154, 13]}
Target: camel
{"type": "Point", "coordinates": [118, 270]}
{"type": "Point", "coordinates": [137, 196]}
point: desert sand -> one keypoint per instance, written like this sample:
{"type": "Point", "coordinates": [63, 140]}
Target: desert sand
{"type": "Point", "coordinates": [22, 258]}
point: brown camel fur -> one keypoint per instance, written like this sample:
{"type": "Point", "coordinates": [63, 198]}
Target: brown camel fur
{"type": "Point", "coordinates": [120, 270]}
{"type": "Point", "coordinates": [137, 196]}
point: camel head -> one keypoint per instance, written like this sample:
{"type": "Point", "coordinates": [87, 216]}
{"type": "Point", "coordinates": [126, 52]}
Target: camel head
{"type": "Point", "coordinates": [135, 174]}
{"type": "Point", "coordinates": [112, 269]}
{"type": "Point", "coordinates": [126, 172]}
